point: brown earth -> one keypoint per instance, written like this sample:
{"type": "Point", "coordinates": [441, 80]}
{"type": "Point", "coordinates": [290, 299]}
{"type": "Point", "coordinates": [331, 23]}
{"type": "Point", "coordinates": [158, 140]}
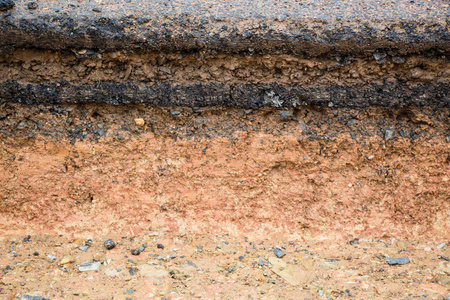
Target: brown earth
{"type": "Point", "coordinates": [198, 177]}
{"type": "Point", "coordinates": [88, 66]}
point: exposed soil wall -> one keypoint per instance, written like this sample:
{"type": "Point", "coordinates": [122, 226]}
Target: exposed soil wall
{"type": "Point", "coordinates": [240, 80]}
{"type": "Point", "coordinates": [312, 170]}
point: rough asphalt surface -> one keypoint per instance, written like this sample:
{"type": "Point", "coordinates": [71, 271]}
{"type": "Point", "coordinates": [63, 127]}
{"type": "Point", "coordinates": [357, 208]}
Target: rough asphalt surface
{"type": "Point", "coordinates": [308, 27]}
{"type": "Point", "coordinates": [343, 31]}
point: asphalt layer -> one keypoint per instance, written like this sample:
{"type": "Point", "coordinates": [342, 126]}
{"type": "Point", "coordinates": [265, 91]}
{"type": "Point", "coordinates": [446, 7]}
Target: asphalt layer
{"type": "Point", "coordinates": [381, 32]}
{"type": "Point", "coordinates": [310, 28]}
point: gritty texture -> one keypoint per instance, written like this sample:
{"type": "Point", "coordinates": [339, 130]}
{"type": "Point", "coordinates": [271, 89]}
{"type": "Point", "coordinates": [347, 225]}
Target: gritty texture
{"type": "Point", "coordinates": [307, 27]}
{"type": "Point", "coordinates": [307, 170]}
{"type": "Point", "coordinates": [235, 54]}
{"type": "Point", "coordinates": [221, 266]}
{"type": "Point", "coordinates": [211, 192]}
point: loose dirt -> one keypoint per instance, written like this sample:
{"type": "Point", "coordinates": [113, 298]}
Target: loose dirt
{"type": "Point", "coordinates": [339, 190]}
{"type": "Point", "coordinates": [88, 66]}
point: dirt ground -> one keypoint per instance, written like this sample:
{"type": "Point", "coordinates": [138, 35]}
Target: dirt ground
{"type": "Point", "coordinates": [337, 190]}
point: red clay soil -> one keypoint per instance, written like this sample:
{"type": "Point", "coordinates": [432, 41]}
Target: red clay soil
{"type": "Point", "coordinates": [312, 176]}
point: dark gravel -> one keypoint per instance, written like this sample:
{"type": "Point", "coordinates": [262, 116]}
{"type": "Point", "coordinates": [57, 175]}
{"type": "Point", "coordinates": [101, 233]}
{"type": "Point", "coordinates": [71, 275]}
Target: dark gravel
{"type": "Point", "coordinates": [109, 244]}
{"type": "Point", "coordinates": [6, 5]}
{"type": "Point", "coordinates": [278, 252]}
{"type": "Point", "coordinates": [397, 261]}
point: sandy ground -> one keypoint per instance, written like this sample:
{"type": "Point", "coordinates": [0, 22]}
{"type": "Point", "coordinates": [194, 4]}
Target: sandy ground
{"type": "Point", "coordinates": [337, 190]}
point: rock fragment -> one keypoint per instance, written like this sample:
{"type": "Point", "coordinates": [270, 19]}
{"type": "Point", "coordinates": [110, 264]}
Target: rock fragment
{"type": "Point", "coordinates": [109, 244]}
{"type": "Point", "coordinates": [89, 266]}
{"type": "Point", "coordinates": [32, 5]}
{"type": "Point", "coordinates": [139, 122]}
{"type": "Point", "coordinates": [6, 5]}
{"type": "Point", "coordinates": [397, 261]}
{"type": "Point", "coordinates": [135, 252]}
{"type": "Point", "coordinates": [278, 252]}
{"type": "Point", "coordinates": [29, 297]}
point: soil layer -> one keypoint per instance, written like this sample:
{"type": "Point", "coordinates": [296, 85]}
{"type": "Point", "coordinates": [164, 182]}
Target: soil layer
{"type": "Point", "coordinates": [338, 190]}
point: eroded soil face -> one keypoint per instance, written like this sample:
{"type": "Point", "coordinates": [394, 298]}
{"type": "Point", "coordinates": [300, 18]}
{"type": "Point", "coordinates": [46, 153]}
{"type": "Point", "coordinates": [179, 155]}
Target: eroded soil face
{"type": "Point", "coordinates": [311, 176]}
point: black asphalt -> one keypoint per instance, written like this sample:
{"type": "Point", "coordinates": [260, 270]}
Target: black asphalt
{"type": "Point", "coordinates": [309, 28]}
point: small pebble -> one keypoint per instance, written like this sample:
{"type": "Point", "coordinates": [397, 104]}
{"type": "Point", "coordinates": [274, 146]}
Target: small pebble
{"type": "Point", "coordinates": [397, 261]}
{"type": "Point", "coordinates": [51, 258]}
{"type": "Point", "coordinates": [83, 248]}
{"type": "Point", "coordinates": [36, 253]}
{"type": "Point", "coordinates": [109, 244]}
{"type": "Point", "coordinates": [32, 5]}
{"type": "Point", "coordinates": [173, 255]}
{"type": "Point", "coordinates": [89, 266]}
{"type": "Point", "coordinates": [132, 271]}
{"type": "Point", "coordinates": [440, 246]}
{"type": "Point", "coordinates": [160, 246]}
{"type": "Point", "coordinates": [135, 252]}
{"type": "Point", "coordinates": [278, 252]}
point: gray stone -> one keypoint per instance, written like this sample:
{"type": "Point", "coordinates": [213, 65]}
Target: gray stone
{"type": "Point", "coordinates": [388, 134]}
{"type": "Point", "coordinates": [397, 261]}
{"type": "Point", "coordinates": [440, 246]}
{"type": "Point", "coordinates": [83, 248]}
{"type": "Point", "coordinates": [285, 116]}
{"type": "Point", "coordinates": [278, 252]}
{"type": "Point", "coordinates": [109, 244]}
{"type": "Point", "coordinates": [89, 266]}
{"type": "Point", "coordinates": [51, 257]}
{"type": "Point", "coordinates": [29, 297]}
{"type": "Point", "coordinates": [135, 252]}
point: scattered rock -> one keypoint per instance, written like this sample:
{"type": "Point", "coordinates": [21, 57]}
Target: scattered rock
{"type": "Point", "coordinates": [66, 260]}
{"type": "Point", "coordinates": [97, 9]}
{"type": "Point", "coordinates": [89, 266]}
{"type": "Point", "coordinates": [380, 57]}
{"type": "Point", "coordinates": [160, 246]}
{"type": "Point", "coordinates": [32, 5]}
{"type": "Point", "coordinates": [6, 5]}
{"type": "Point", "coordinates": [83, 248]}
{"type": "Point", "coordinates": [173, 255]}
{"type": "Point", "coordinates": [51, 258]}
{"type": "Point", "coordinates": [36, 253]}
{"type": "Point", "coordinates": [177, 275]}
{"type": "Point", "coordinates": [29, 297]}
{"type": "Point", "coordinates": [278, 252]}
{"type": "Point", "coordinates": [109, 244]}
{"type": "Point", "coordinates": [285, 116]}
{"type": "Point", "coordinates": [440, 246]}
{"type": "Point", "coordinates": [444, 258]}
{"type": "Point", "coordinates": [397, 261]}
{"type": "Point", "coordinates": [139, 122]}
{"type": "Point", "coordinates": [135, 252]}
{"type": "Point", "coordinates": [22, 124]}
{"type": "Point", "coordinates": [388, 134]}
